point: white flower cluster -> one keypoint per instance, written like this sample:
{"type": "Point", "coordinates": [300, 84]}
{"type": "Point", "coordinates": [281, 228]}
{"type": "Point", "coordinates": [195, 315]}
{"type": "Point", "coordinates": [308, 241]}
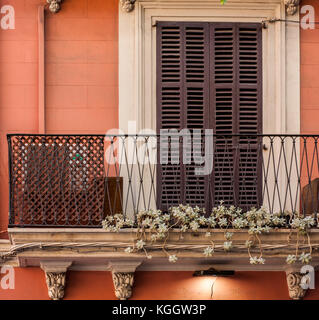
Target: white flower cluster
{"type": "Point", "coordinates": [208, 252]}
{"type": "Point", "coordinates": [257, 220]}
{"type": "Point", "coordinates": [303, 224]}
{"type": "Point", "coordinates": [116, 223]}
{"type": "Point", "coordinates": [187, 218]}
{"type": "Point", "coordinates": [256, 260]}
{"type": "Point", "coordinates": [261, 221]}
{"type": "Point", "coordinates": [154, 220]}
{"type": "Point", "coordinates": [304, 258]}
{"type": "Point", "coordinates": [172, 258]}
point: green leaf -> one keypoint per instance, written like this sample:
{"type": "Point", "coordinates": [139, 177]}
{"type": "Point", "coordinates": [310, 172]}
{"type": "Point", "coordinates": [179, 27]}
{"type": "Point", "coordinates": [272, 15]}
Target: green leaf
{"type": "Point", "coordinates": [223, 2]}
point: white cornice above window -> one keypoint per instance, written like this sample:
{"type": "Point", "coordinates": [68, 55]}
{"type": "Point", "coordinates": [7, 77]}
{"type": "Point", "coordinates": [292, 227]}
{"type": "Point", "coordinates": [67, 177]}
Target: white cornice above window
{"type": "Point", "coordinates": [291, 5]}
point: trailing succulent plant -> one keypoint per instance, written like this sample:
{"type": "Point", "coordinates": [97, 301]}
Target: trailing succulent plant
{"type": "Point", "coordinates": [153, 227]}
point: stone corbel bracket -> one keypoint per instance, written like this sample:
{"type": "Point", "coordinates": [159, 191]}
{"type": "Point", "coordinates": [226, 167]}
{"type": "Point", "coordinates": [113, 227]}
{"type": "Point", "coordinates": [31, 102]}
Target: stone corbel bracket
{"type": "Point", "coordinates": [123, 277]}
{"type": "Point", "coordinates": [294, 280]}
{"type": "Point", "coordinates": [127, 5]}
{"type": "Point", "coordinates": [55, 273]}
{"type": "Point", "coordinates": [292, 6]}
{"type": "Point", "coordinates": [54, 5]}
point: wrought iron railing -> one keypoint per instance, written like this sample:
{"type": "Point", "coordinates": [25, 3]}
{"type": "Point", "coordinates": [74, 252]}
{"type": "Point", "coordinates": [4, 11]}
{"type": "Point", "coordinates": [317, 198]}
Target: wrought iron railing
{"type": "Point", "coordinates": [77, 180]}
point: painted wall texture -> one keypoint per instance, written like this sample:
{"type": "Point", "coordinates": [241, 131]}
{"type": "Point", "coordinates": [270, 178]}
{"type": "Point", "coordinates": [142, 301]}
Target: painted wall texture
{"type": "Point", "coordinates": [81, 74]}
{"type": "Point", "coordinates": [82, 285]}
{"type": "Point", "coordinates": [309, 84]}
{"type": "Point", "coordinates": [309, 76]}
{"type": "Point", "coordinates": [82, 97]}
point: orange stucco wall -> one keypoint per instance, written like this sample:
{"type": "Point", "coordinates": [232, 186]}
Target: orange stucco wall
{"type": "Point", "coordinates": [309, 113]}
{"type": "Point", "coordinates": [82, 285]}
{"type": "Point", "coordinates": [82, 97]}
{"type": "Point", "coordinates": [81, 73]}
{"type": "Point", "coordinates": [309, 76]}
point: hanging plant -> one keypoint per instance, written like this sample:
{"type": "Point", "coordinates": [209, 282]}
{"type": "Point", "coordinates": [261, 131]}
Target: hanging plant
{"type": "Point", "coordinates": [152, 229]}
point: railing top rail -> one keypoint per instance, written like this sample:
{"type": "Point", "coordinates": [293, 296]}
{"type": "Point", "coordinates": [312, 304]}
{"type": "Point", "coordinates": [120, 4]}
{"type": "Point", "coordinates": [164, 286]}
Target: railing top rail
{"type": "Point", "coordinates": [158, 135]}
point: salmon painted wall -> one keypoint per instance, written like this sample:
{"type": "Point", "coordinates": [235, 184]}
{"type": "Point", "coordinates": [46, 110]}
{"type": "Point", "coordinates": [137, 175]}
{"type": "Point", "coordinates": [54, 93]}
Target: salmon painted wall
{"type": "Point", "coordinates": [81, 74]}
{"type": "Point", "coordinates": [82, 67]}
{"type": "Point", "coordinates": [30, 285]}
{"type": "Point", "coordinates": [309, 112]}
{"type": "Point", "coordinates": [82, 97]}
{"type": "Point", "coordinates": [309, 75]}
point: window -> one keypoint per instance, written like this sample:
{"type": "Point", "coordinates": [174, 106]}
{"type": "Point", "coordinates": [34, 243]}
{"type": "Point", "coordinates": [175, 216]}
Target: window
{"type": "Point", "coordinates": [209, 76]}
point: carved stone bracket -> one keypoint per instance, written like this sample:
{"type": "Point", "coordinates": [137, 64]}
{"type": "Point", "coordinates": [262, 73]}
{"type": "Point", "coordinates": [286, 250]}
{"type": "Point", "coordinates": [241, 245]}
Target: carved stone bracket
{"type": "Point", "coordinates": [123, 277]}
{"type": "Point", "coordinates": [291, 6]}
{"type": "Point", "coordinates": [123, 284]}
{"type": "Point", "coordinates": [127, 5]}
{"type": "Point", "coordinates": [55, 273]}
{"type": "Point", "coordinates": [296, 292]}
{"type": "Point", "coordinates": [54, 5]}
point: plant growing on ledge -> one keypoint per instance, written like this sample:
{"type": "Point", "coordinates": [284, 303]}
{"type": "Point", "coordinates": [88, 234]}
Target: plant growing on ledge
{"type": "Point", "coordinates": [152, 230]}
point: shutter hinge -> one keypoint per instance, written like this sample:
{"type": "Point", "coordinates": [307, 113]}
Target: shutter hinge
{"type": "Point", "coordinates": [154, 25]}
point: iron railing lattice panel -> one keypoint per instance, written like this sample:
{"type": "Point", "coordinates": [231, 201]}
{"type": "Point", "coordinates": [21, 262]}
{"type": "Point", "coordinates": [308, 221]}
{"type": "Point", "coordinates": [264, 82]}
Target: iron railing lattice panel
{"type": "Point", "coordinates": [56, 180]}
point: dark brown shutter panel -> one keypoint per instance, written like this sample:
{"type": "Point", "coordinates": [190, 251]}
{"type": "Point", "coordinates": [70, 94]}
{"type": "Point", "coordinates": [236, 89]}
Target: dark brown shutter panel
{"type": "Point", "coordinates": [183, 102]}
{"type": "Point", "coordinates": [209, 77]}
{"type": "Point", "coordinates": [223, 104]}
{"type": "Point", "coordinates": [250, 114]}
{"type": "Point", "coordinates": [170, 102]}
{"type": "Point", "coordinates": [236, 70]}
{"type": "Point", "coordinates": [196, 106]}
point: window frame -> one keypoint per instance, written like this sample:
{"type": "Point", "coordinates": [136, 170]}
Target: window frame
{"type": "Point", "coordinates": [137, 58]}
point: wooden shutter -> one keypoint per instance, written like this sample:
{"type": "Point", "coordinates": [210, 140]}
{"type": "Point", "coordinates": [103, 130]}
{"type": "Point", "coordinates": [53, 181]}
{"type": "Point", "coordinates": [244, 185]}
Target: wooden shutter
{"type": "Point", "coordinates": [209, 77]}
{"type": "Point", "coordinates": [249, 102]}
{"type": "Point", "coordinates": [183, 102]}
{"type": "Point", "coordinates": [223, 78]}
{"type": "Point", "coordinates": [236, 101]}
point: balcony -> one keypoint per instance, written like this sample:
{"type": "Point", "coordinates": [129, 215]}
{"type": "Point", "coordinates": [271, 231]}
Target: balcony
{"type": "Point", "coordinates": [76, 181]}
{"type": "Point", "coordinates": [63, 187]}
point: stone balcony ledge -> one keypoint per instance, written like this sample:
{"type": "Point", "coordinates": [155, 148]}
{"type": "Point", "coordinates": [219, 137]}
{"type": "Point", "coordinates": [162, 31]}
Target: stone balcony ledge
{"type": "Point", "coordinates": [93, 249]}
{"type": "Point", "coordinates": [58, 250]}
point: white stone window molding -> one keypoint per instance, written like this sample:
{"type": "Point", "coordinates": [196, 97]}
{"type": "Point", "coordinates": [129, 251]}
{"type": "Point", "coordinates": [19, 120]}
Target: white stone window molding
{"type": "Point", "coordinates": [291, 5]}
{"type": "Point", "coordinates": [281, 62]}
{"type": "Point", "coordinates": [137, 56]}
